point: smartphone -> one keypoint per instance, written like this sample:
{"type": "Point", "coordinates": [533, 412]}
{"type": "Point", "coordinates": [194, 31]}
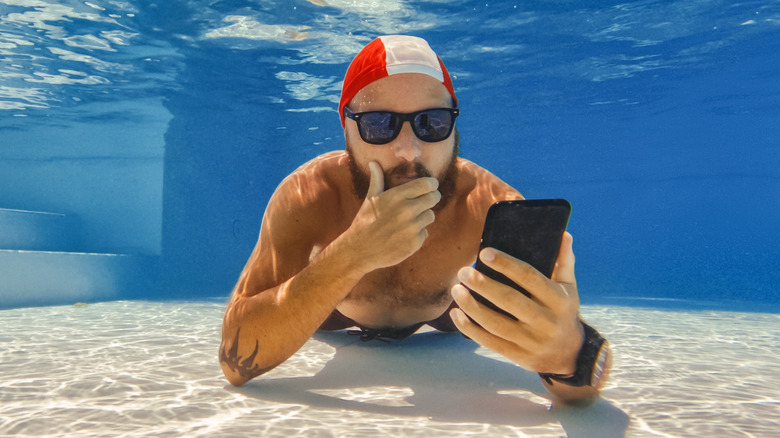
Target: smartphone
{"type": "Point", "coordinates": [530, 230]}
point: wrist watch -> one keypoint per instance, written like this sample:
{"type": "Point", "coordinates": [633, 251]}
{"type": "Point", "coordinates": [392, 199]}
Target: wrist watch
{"type": "Point", "coordinates": [591, 362]}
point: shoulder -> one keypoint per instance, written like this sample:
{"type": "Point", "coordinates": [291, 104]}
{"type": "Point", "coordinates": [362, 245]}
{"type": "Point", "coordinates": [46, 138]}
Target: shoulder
{"type": "Point", "coordinates": [301, 214]}
{"type": "Point", "coordinates": [479, 187]}
{"type": "Point", "coordinates": [304, 209]}
{"type": "Point", "coordinates": [321, 173]}
{"type": "Point", "coordinates": [318, 183]}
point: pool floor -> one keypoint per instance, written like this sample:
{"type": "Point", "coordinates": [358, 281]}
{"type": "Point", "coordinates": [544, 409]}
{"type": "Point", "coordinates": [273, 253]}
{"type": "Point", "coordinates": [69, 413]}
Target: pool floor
{"type": "Point", "coordinates": [137, 368]}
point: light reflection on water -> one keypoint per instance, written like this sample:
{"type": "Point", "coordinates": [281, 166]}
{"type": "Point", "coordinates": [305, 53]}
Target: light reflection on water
{"type": "Point", "coordinates": [150, 369]}
{"type": "Point", "coordinates": [53, 49]}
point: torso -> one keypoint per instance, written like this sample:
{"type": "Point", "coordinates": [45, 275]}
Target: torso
{"type": "Point", "coordinates": [417, 289]}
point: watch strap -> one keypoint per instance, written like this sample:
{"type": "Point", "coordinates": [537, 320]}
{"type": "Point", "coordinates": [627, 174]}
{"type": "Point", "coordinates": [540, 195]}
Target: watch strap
{"type": "Point", "coordinates": [591, 361]}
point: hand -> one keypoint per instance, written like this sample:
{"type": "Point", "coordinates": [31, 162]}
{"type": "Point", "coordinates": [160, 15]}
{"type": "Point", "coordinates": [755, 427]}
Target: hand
{"type": "Point", "coordinates": [390, 225]}
{"type": "Point", "coordinates": [547, 335]}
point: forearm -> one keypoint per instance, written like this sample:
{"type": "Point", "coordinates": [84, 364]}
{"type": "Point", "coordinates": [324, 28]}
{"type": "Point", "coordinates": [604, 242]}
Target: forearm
{"type": "Point", "coordinates": [262, 331]}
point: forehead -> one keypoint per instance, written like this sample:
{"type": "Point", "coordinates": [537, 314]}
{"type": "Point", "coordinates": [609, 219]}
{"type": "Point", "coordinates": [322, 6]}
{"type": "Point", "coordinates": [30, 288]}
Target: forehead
{"type": "Point", "coordinates": [404, 92]}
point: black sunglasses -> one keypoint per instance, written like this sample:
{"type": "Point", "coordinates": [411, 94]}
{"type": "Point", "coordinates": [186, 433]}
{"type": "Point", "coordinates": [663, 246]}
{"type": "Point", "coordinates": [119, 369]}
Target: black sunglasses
{"type": "Point", "coordinates": [382, 127]}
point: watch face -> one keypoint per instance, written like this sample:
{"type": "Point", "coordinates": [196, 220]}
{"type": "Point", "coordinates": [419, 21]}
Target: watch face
{"type": "Point", "coordinates": [599, 365]}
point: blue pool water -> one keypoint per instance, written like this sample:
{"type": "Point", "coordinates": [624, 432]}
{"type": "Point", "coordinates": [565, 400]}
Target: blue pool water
{"type": "Point", "coordinates": [164, 127]}
{"type": "Point", "coordinates": [161, 128]}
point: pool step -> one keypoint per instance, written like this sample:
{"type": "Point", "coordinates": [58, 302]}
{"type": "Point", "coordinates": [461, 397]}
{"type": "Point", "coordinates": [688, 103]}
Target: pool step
{"type": "Point", "coordinates": [37, 230]}
{"type": "Point", "coordinates": [44, 278]}
{"type": "Point", "coordinates": [43, 262]}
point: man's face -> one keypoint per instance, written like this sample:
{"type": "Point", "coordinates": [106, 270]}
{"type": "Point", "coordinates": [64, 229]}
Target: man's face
{"type": "Point", "coordinates": [407, 157]}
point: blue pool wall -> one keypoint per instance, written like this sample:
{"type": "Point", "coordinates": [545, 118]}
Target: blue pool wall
{"type": "Point", "coordinates": [673, 174]}
{"type": "Point", "coordinates": [675, 198]}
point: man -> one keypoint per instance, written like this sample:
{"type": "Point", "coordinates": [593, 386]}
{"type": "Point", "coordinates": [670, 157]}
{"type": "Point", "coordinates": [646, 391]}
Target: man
{"type": "Point", "coordinates": [382, 235]}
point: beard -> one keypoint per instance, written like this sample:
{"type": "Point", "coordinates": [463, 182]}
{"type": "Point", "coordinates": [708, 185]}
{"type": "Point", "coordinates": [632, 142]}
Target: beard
{"type": "Point", "coordinates": [361, 179]}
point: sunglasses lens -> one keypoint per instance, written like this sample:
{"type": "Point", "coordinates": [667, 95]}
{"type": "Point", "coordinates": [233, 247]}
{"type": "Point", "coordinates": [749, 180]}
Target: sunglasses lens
{"type": "Point", "coordinates": [433, 125]}
{"type": "Point", "coordinates": [382, 127]}
{"type": "Point", "coordinates": [378, 127]}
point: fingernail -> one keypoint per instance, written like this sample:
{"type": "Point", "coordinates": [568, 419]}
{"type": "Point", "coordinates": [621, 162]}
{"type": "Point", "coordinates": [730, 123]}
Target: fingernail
{"type": "Point", "coordinates": [457, 316]}
{"type": "Point", "coordinates": [464, 274]}
{"type": "Point", "coordinates": [458, 291]}
{"type": "Point", "coordinates": [488, 255]}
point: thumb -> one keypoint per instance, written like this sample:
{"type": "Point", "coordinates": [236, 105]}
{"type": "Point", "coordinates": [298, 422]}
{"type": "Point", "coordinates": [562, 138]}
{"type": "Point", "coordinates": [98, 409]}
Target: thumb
{"type": "Point", "coordinates": [376, 184]}
{"type": "Point", "coordinates": [564, 266]}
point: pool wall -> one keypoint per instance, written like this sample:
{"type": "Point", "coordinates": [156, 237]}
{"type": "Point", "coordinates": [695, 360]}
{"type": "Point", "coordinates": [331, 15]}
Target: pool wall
{"type": "Point", "coordinates": [144, 143]}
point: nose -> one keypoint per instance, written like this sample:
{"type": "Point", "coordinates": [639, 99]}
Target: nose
{"type": "Point", "coordinates": [407, 145]}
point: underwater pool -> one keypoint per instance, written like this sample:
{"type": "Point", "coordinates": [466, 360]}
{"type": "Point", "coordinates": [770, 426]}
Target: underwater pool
{"type": "Point", "coordinates": [140, 142]}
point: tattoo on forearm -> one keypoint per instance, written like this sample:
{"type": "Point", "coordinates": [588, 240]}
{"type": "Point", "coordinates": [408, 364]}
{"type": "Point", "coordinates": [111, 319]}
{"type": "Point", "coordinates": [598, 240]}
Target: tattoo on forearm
{"type": "Point", "coordinates": [243, 367]}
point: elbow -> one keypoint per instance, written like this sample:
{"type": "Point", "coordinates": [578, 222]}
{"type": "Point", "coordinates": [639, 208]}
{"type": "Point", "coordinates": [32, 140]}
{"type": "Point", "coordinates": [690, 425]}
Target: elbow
{"type": "Point", "coordinates": [233, 378]}
{"type": "Point", "coordinates": [240, 373]}
{"type": "Point", "coordinates": [239, 369]}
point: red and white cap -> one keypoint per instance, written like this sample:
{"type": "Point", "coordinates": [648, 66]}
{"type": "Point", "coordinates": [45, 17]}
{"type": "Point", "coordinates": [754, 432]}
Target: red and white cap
{"type": "Point", "coordinates": [390, 55]}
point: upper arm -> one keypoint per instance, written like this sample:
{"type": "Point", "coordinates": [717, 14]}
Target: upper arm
{"type": "Point", "coordinates": [288, 235]}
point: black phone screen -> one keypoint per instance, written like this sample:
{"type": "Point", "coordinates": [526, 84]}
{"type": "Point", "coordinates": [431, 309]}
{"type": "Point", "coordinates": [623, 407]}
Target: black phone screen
{"type": "Point", "coordinates": [530, 230]}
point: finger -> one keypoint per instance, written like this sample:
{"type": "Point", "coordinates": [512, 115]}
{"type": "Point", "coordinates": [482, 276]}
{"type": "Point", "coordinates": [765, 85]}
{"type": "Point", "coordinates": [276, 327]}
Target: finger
{"type": "Point", "coordinates": [498, 293]}
{"type": "Point", "coordinates": [422, 236]}
{"type": "Point", "coordinates": [495, 323]}
{"type": "Point", "coordinates": [417, 187]}
{"type": "Point", "coordinates": [424, 203]}
{"type": "Point", "coordinates": [376, 184]}
{"type": "Point", "coordinates": [469, 306]}
{"type": "Point", "coordinates": [425, 218]}
{"type": "Point", "coordinates": [564, 266]}
{"type": "Point", "coordinates": [541, 288]}
{"type": "Point", "coordinates": [505, 297]}
{"type": "Point", "coordinates": [478, 334]}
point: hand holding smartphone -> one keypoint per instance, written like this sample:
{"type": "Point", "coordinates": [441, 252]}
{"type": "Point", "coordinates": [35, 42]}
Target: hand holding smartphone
{"type": "Point", "coordinates": [529, 230]}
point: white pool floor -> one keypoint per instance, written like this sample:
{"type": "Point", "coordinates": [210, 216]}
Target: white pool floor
{"type": "Point", "coordinates": [134, 369]}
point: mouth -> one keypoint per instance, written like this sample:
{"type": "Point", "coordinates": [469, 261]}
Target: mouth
{"type": "Point", "coordinates": [406, 173]}
{"type": "Point", "coordinates": [399, 179]}
{"type": "Point", "coordinates": [407, 177]}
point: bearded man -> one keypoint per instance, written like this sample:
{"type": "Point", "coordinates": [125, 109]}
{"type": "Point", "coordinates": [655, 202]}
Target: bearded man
{"type": "Point", "coordinates": [382, 236]}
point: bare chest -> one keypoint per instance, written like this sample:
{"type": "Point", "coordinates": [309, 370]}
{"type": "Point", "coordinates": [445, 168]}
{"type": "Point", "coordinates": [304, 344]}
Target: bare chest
{"type": "Point", "coordinates": [416, 290]}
